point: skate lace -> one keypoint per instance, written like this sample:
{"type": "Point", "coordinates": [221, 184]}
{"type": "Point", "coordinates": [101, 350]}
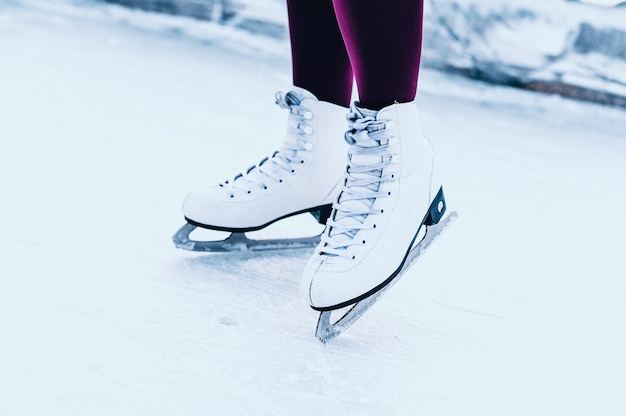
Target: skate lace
{"type": "Point", "coordinates": [368, 156]}
{"type": "Point", "coordinates": [272, 168]}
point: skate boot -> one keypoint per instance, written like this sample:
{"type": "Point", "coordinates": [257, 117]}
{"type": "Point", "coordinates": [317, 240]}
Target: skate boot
{"type": "Point", "coordinates": [390, 197]}
{"type": "Point", "coordinates": [304, 175]}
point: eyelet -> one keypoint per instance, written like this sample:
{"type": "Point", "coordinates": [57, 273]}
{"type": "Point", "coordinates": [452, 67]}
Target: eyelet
{"type": "Point", "coordinates": [280, 181]}
{"type": "Point", "coordinates": [302, 161]}
{"type": "Point", "coordinates": [388, 193]}
{"type": "Point", "coordinates": [248, 191]}
{"type": "Point", "coordinates": [353, 257]}
{"type": "Point", "coordinates": [382, 211]}
{"type": "Point", "coordinates": [231, 196]}
{"type": "Point", "coordinates": [363, 242]}
{"type": "Point", "coordinates": [293, 171]}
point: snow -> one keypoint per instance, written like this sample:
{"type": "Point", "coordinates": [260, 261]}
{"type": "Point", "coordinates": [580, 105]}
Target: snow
{"type": "Point", "coordinates": [518, 309]}
{"type": "Point", "coordinates": [517, 42]}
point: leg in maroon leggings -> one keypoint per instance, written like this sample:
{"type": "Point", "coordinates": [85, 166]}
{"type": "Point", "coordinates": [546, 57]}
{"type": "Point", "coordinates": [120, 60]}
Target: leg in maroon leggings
{"type": "Point", "coordinates": [384, 42]}
{"type": "Point", "coordinates": [320, 62]}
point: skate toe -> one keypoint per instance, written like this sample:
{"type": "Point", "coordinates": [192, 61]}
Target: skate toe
{"type": "Point", "coordinates": [198, 206]}
{"type": "Point", "coordinates": [327, 288]}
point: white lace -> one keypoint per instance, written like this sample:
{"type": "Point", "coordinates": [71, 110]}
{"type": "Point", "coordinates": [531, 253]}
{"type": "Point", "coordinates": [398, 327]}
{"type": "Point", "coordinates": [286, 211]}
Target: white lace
{"type": "Point", "coordinates": [272, 168]}
{"type": "Point", "coordinates": [368, 156]}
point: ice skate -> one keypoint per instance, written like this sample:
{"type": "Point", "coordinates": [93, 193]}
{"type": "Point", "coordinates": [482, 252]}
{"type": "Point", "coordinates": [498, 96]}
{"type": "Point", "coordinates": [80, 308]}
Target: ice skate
{"type": "Point", "coordinates": [388, 213]}
{"type": "Point", "coordinates": [303, 176]}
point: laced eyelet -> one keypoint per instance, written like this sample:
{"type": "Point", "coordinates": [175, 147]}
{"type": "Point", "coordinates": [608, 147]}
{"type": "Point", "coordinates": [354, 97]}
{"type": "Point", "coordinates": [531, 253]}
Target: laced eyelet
{"type": "Point", "coordinates": [305, 128]}
{"type": "Point", "coordinates": [308, 146]}
{"type": "Point", "coordinates": [307, 115]}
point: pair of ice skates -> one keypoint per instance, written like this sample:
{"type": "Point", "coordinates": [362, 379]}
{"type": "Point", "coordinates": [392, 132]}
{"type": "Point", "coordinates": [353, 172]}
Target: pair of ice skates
{"type": "Point", "coordinates": [381, 212]}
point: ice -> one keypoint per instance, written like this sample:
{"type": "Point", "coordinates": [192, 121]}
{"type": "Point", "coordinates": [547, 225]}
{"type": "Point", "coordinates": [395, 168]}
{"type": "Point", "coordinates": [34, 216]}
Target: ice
{"type": "Point", "coordinates": [104, 127]}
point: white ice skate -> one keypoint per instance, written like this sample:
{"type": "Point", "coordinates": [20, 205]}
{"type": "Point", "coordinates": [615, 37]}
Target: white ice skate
{"type": "Point", "coordinates": [305, 175]}
{"type": "Point", "coordinates": [388, 213]}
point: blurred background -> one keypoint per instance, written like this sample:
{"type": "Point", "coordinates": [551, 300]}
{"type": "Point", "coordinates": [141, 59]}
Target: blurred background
{"type": "Point", "coordinates": [569, 47]}
{"type": "Point", "coordinates": [572, 48]}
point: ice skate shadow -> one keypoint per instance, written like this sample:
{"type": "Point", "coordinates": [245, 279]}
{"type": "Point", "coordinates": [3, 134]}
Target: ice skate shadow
{"type": "Point", "coordinates": [287, 263]}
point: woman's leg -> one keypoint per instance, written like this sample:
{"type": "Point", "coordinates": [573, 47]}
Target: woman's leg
{"type": "Point", "coordinates": [392, 190]}
{"type": "Point", "coordinates": [320, 62]}
{"type": "Point", "coordinates": [306, 173]}
{"type": "Point", "coordinates": [384, 42]}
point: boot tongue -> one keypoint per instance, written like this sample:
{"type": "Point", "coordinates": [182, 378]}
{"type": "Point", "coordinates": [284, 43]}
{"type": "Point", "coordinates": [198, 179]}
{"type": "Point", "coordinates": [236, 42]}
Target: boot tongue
{"type": "Point", "coordinates": [360, 142]}
{"type": "Point", "coordinates": [290, 141]}
{"type": "Point", "coordinates": [362, 138]}
{"type": "Point", "coordinates": [366, 112]}
{"type": "Point", "coordinates": [361, 157]}
{"type": "Point", "coordinates": [292, 136]}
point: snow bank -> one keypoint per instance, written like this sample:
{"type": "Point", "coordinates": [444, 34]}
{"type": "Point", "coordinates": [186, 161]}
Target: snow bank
{"type": "Point", "coordinates": [267, 17]}
{"type": "Point", "coordinates": [572, 49]}
{"type": "Point", "coordinates": [554, 46]}
{"type": "Point", "coordinates": [568, 48]}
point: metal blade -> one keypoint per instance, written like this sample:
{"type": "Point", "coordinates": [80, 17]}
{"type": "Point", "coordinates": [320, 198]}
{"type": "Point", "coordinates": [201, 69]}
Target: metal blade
{"type": "Point", "coordinates": [238, 242]}
{"type": "Point", "coordinates": [326, 330]}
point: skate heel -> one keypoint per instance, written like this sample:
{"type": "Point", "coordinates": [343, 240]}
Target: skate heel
{"type": "Point", "coordinates": [436, 210]}
{"type": "Point", "coordinates": [322, 213]}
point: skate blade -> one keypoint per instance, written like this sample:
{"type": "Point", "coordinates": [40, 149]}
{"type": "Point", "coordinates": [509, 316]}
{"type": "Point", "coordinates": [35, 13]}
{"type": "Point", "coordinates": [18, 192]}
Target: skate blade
{"type": "Point", "coordinates": [238, 242]}
{"type": "Point", "coordinates": [327, 330]}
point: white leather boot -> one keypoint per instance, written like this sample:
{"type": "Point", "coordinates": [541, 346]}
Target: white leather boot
{"type": "Point", "coordinates": [305, 175]}
{"type": "Point", "coordinates": [390, 193]}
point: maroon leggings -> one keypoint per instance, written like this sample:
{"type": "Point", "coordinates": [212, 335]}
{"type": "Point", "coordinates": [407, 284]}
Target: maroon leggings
{"type": "Point", "coordinates": [377, 42]}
